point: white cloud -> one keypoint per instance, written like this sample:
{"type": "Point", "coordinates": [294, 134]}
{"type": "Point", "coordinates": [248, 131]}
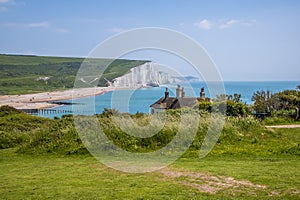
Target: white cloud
{"type": "Point", "coordinates": [228, 23]}
{"type": "Point", "coordinates": [38, 25]}
{"type": "Point", "coordinates": [5, 1]}
{"type": "Point", "coordinates": [5, 5]}
{"type": "Point", "coordinates": [5, 8]}
{"type": "Point", "coordinates": [8, 2]}
{"type": "Point", "coordinates": [204, 24]}
{"type": "Point", "coordinates": [248, 22]}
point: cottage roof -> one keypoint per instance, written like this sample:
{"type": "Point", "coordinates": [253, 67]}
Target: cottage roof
{"type": "Point", "coordinates": [174, 103]}
{"type": "Point", "coordinates": [185, 102]}
{"type": "Point", "coordinates": [164, 103]}
{"type": "Point", "coordinates": [179, 101]}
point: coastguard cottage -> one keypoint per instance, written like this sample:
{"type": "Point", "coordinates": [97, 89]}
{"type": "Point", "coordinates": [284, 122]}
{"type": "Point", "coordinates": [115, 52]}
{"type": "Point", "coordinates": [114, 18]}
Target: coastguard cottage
{"type": "Point", "coordinates": [179, 101]}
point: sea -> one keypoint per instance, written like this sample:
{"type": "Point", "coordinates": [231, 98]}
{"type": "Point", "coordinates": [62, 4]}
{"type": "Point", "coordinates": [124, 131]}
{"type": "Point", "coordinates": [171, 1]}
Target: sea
{"type": "Point", "coordinates": [139, 100]}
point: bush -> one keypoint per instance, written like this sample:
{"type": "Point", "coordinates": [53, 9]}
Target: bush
{"type": "Point", "coordinates": [6, 140]}
{"type": "Point", "coordinates": [59, 138]}
{"type": "Point", "coordinates": [229, 107]}
{"type": "Point", "coordinates": [277, 120]}
{"type": "Point", "coordinates": [8, 110]}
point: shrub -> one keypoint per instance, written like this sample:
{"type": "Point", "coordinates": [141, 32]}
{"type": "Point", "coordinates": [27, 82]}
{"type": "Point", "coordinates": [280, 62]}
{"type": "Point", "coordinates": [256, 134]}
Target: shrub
{"type": "Point", "coordinates": [277, 120]}
{"type": "Point", "coordinates": [8, 110]}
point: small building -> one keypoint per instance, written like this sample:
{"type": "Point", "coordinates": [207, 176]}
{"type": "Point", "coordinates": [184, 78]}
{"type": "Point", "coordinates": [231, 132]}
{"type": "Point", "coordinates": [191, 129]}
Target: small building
{"type": "Point", "coordinates": [179, 101]}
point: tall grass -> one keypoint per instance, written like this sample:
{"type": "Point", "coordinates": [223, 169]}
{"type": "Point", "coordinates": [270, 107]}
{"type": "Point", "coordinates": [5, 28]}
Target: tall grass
{"type": "Point", "coordinates": [240, 135]}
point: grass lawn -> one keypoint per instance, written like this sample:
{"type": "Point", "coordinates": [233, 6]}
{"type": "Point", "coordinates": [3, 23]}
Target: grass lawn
{"type": "Point", "coordinates": [82, 177]}
{"type": "Point", "coordinates": [45, 159]}
{"type": "Point", "coordinates": [76, 177]}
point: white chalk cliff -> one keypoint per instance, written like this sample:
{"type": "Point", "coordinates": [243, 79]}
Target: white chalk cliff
{"type": "Point", "coordinates": [145, 75]}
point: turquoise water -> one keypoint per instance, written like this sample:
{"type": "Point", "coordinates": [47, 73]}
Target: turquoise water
{"type": "Point", "coordinates": [139, 100]}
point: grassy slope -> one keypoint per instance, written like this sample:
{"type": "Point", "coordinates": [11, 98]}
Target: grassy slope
{"type": "Point", "coordinates": [83, 177]}
{"type": "Point", "coordinates": [265, 157]}
{"type": "Point", "coordinates": [18, 73]}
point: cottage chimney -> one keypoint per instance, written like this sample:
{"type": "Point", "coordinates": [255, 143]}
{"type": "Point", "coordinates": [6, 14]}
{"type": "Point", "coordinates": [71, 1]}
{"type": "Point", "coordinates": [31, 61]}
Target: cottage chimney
{"type": "Point", "coordinates": [182, 92]}
{"type": "Point", "coordinates": [166, 93]}
{"type": "Point", "coordinates": [178, 91]}
{"type": "Point", "coordinates": [202, 93]}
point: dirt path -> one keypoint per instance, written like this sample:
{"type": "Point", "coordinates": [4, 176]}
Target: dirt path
{"type": "Point", "coordinates": [207, 183]}
{"type": "Point", "coordinates": [285, 126]}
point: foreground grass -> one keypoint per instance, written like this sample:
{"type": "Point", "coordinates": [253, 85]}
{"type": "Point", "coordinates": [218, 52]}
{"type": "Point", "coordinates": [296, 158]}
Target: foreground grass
{"type": "Point", "coordinates": [83, 177]}
{"type": "Point", "coordinates": [45, 159]}
{"type": "Point", "coordinates": [279, 174]}
{"type": "Point", "coordinates": [52, 177]}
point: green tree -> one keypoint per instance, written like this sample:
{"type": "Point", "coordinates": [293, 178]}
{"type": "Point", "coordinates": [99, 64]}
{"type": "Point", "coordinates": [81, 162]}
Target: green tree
{"type": "Point", "coordinates": [237, 98]}
{"type": "Point", "coordinates": [290, 99]}
{"type": "Point", "coordinates": [237, 108]}
{"type": "Point", "coordinates": [233, 106]}
{"type": "Point", "coordinates": [286, 100]}
{"type": "Point", "coordinates": [204, 105]}
{"type": "Point", "coordinates": [262, 102]}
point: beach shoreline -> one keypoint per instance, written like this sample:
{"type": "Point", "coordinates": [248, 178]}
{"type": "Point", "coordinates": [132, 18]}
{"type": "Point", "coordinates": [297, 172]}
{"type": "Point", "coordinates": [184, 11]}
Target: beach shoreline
{"type": "Point", "coordinates": [46, 100]}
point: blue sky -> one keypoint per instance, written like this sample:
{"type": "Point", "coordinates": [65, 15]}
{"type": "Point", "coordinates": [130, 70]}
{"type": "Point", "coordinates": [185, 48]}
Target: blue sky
{"type": "Point", "coordinates": [248, 40]}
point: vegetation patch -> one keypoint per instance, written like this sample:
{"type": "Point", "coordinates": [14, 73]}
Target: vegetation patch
{"type": "Point", "coordinates": [240, 135]}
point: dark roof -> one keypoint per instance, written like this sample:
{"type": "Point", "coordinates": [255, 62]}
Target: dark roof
{"type": "Point", "coordinates": [164, 103]}
{"type": "Point", "coordinates": [185, 102]}
{"type": "Point", "coordinates": [174, 103]}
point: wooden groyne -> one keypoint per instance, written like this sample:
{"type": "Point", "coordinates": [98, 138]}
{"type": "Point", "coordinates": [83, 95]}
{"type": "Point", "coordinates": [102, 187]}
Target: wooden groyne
{"type": "Point", "coordinates": [45, 111]}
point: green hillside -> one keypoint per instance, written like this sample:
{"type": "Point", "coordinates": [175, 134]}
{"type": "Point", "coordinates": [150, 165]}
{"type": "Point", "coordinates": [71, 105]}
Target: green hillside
{"type": "Point", "coordinates": [19, 73]}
